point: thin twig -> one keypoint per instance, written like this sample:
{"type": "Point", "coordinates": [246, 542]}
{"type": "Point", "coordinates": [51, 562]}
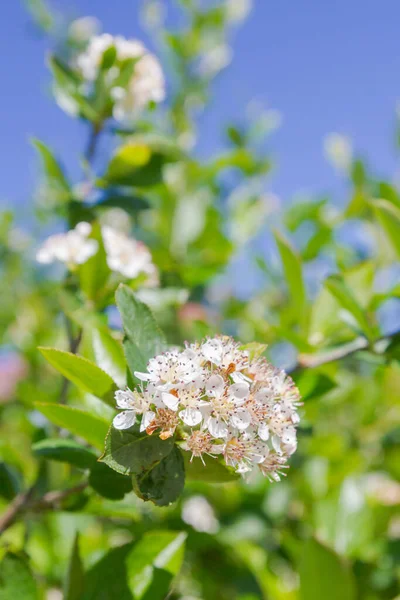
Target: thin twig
{"type": "Point", "coordinates": [24, 503]}
{"type": "Point", "coordinates": [310, 361]}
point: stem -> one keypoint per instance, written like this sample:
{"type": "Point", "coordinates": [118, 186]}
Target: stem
{"type": "Point", "coordinates": [23, 503]}
{"type": "Point", "coordinates": [310, 361]}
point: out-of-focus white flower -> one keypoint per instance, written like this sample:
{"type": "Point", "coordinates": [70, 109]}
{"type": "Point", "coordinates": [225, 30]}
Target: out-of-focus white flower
{"type": "Point", "coordinates": [72, 248]}
{"type": "Point", "coordinates": [124, 254]}
{"type": "Point", "coordinates": [338, 150]}
{"type": "Point", "coordinates": [198, 512]}
{"type": "Point", "coordinates": [146, 84]}
{"type": "Point", "coordinates": [225, 402]}
{"type": "Point", "coordinates": [13, 369]}
{"type": "Point", "coordinates": [82, 29]}
{"type": "Point", "coordinates": [214, 60]}
{"type": "Point", "coordinates": [238, 10]}
{"type": "Point", "coordinates": [128, 256]}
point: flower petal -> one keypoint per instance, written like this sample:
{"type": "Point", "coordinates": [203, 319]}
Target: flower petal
{"type": "Point", "coordinates": [147, 419]}
{"type": "Point", "coordinates": [170, 401]}
{"type": "Point", "coordinates": [239, 391]}
{"type": "Point", "coordinates": [212, 351]}
{"type": "Point", "coordinates": [124, 420]}
{"type": "Point", "coordinates": [263, 432]}
{"type": "Point", "coordinates": [191, 416]}
{"type": "Point", "coordinates": [124, 399]}
{"type": "Point", "coordinates": [215, 385]}
{"type": "Point", "coordinates": [217, 427]}
{"type": "Point", "coordinates": [241, 420]}
{"type": "Point", "coordinates": [144, 376]}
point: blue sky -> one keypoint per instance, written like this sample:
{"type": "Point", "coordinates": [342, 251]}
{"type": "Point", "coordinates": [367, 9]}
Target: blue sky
{"type": "Point", "coordinates": [326, 66]}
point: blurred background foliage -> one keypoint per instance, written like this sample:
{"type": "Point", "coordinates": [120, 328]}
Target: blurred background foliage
{"type": "Point", "coordinates": [327, 305]}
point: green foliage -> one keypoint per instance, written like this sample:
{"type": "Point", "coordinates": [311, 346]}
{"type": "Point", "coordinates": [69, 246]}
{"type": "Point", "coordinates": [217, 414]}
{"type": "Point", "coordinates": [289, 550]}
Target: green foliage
{"type": "Point", "coordinates": [74, 581]}
{"type": "Point", "coordinates": [79, 422]}
{"type": "Point", "coordinates": [162, 483]}
{"type": "Point", "coordinates": [153, 562]}
{"type": "Point", "coordinates": [328, 529]}
{"type": "Point", "coordinates": [16, 580]}
{"type": "Point", "coordinates": [82, 372]}
{"type": "Point", "coordinates": [129, 452]}
{"type": "Point", "coordinates": [323, 574]}
{"type": "Point", "coordinates": [141, 342]}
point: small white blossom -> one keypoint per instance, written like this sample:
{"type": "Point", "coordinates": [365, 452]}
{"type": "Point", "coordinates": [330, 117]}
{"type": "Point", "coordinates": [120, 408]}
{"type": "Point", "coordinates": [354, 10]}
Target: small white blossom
{"type": "Point", "coordinates": [146, 84]}
{"type": "Point", "coordinates": [72, 248]}
{"type": "Point", "coordinates": [125, 255]}
{"type": "Point", "coordinates": [223, 402]}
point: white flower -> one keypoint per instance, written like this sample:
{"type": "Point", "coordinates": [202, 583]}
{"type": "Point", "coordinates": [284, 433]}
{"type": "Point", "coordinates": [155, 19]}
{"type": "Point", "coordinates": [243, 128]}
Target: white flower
{"type": "Point", "coordinates": [72, 248]}
{"type": "Point", "coordinates": [171, 369]}
{"type": "Point", "coordinates": [124, 254]}
{"type": "Point", "coordinates": [225, 404]}
{"type": "Point", "coordinates": [198, 512]}
{"type": "Point", "coordinates": [133, 403]}
{"type": "Point", "coordinates": [127, 256]}
{"type": "Point", "coordinates": [146, 84]}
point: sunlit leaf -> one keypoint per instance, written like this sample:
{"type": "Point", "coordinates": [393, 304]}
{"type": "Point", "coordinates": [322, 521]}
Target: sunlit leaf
{"type": "Point", "coordinates": [16, 580]}
{"type": "Point", "coordinates": [79, 422]}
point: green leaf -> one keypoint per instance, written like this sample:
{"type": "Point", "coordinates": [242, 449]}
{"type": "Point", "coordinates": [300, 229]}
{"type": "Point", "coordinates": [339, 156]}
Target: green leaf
{"type": "Point", "coordinates": [213, 471]}
{"type": "Point", "coordinates": [164, 482]}
{"type": "Point", "coordinates": [388, 216]}
{"type": "Point", "coordinates": [129, 452]}
{"type": "Point", "coordinates": [294, 278]}
{"type": "Point", "coordinates": [109, 483]}
{"type": "Point", "coordinates": [82, 372]}
{"type": "Point", "coordinates": [109, 355]}
{"type": "Point", "coordinates": [79, 422]}
{"type": "Point", "coordinates": [16, 580]}
{"type": "Point", "coordinates": [107, 579]}
{"type": "Point", "coordinates": [9, 481]}
{"type": "Point", "coordinates": [74, 581]}
{"type": "Point", "coordinates": [54, 174]}
{"type": "Point", "coordinates": [144, 338]}
{"type": "Point", "coordinates": [323, 574]}
{"type": "Point", "coordinates": [153, 563]}
{"type": "Point", "coordinates": [338, 288]}
{"type": "Point", "coordinates": [94, 273]}
{"type": "Point", "coordinates": [65, 450]}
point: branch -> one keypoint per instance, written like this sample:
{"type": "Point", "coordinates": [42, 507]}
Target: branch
{"type": "Point", "coordinates": [24, 503]}
{"type": "Point", "coordinates": [310, 361]}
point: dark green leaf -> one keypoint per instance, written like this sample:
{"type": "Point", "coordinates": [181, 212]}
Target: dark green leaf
{"type": "Point", "coordinates": [144, 338]}
{"type": "Point", "coordinates": [9, 481]}
{"type": "Point", "coordinates": [128, 202]}
{"type": "Point", "coordinates": [107, 579]}
{"type": "Point", "coordinates": [16, 580]}
{"type": "Point", "coordinates": [323, 574]}
{"type": "Point", "coordinates": [79, 422]}
{"type": "Point", "coordinates": [65, 450]}
{"type": "Point", "coordinates": [82, 372]}
{"type": "Point", "coordinates": [74, 581]}
{"type": "Point", "coordinates": [129, 452]}
{"type": "Point", "coordinates": [153, 563]}
{"type": "Point", "coordinates": [163, 483]}
{"type": "Point", "coordinates": [109, 483]}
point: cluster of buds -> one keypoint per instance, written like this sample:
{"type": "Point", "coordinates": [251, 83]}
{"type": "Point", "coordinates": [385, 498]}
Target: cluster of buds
{"type": "Point", "coordinates": [125, 255]}
{"type": "Point", "coordinates": [146, 83]}
{"type": "Point", "coordinates": [223, 401]}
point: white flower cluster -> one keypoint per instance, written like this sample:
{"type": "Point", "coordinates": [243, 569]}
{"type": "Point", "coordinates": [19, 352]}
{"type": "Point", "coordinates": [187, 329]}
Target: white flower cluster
{"type": "Point", "coordinates": [147, 83]}
{"type": "Point", "coordinates": [224, 403]}
{"type": "Point", "coordinates": [124, 254]}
